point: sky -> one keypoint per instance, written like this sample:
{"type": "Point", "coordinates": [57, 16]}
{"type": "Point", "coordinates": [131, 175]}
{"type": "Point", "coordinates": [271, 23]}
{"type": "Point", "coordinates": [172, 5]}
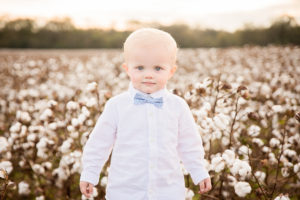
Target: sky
{"type": "Point", "coordinates": [218, 14]}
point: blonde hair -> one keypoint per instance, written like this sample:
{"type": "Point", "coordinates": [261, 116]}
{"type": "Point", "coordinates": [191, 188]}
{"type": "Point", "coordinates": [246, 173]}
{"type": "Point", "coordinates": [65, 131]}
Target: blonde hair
{"type": "Point", "coordinates": [149, 36]}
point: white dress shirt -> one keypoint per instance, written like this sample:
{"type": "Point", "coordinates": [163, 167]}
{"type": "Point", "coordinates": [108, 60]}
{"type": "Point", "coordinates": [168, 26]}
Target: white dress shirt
{"type": "Point", "coordinates": [148, 144]}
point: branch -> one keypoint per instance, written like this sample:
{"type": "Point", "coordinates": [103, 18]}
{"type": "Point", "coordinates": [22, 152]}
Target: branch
{"type": "Point", "coordinates": [259, 185]}
{"type": "Point", "coordinates": [278, 159]}
{"type": "Point", "coordinates": [233, 122]}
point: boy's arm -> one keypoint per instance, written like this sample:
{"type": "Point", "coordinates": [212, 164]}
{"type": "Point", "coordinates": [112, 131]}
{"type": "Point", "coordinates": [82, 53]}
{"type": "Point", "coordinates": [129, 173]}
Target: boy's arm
{"type": "Point", "coordinates": [99, 145]}
{"type": "Point", "coordinates": [190, 147]}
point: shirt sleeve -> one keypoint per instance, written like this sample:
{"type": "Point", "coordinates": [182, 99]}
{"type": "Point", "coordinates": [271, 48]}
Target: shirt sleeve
{"type": "Point", "coordinates": [190, 146]}
{"type": "Point", "coordinates": [99, 145]}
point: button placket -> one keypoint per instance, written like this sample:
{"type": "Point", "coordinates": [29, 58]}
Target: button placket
{"type": "Point", "coordinates": [152, 144]}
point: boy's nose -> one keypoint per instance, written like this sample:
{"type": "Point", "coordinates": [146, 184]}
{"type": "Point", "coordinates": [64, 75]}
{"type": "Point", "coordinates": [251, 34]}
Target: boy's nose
{"type": "Point", "coordinates": [148, 75]}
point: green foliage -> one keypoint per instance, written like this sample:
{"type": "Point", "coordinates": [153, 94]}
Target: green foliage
{"type": "Point", "coordinates": [24, 33]}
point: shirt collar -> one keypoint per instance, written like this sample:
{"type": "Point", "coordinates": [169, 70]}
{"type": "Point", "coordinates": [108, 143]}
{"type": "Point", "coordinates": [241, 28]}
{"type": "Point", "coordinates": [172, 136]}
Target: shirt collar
{"type": "Point", "coordinates": [160, 93]}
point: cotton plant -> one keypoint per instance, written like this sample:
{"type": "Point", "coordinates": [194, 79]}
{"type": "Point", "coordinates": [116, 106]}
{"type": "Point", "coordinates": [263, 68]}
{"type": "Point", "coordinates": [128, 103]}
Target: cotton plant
{"type": "Point", "coordinates": [245, 102]}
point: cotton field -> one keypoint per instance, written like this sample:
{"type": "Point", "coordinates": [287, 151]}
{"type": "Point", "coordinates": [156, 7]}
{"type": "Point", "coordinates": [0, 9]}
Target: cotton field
{"type": "Point", "coordinates": [246, 102]}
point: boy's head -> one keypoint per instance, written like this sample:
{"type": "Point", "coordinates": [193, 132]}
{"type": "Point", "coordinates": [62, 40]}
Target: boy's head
{"type": "Point", "coordinates": [150, 59]}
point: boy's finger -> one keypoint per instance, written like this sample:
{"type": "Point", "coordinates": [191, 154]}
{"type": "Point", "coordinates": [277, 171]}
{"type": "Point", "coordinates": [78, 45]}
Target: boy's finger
{"type": "Point", "coordinates": [90, 189]}
{"type": "Point", "coordinates": [82, 189]}
{"type": "Point", "coordinates": [202, 187]}
{"type": "Point", "coordinates": [208, 185]}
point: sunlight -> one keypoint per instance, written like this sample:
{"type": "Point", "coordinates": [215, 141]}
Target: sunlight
{"type": "Point", "coordinates": [228, 14]}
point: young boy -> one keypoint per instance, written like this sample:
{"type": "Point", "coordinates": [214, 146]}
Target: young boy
{"type": "Point", "coordinates": [149, 129]}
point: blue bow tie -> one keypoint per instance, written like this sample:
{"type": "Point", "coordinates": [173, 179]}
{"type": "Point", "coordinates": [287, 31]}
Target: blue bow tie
{"type": "Point", "coordinates": [141, 99]}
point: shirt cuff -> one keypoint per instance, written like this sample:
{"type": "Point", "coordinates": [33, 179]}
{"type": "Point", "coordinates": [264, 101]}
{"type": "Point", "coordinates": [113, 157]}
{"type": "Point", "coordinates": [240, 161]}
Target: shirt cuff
{"type": "Point", "coordinates": [199, 175]}
{"type": "Point", "coordinates": [89, 177]}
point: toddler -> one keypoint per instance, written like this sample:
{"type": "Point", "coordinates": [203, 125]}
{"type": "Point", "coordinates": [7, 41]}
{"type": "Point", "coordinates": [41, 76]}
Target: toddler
{"type": "Point", "coordinates": [148, 129]}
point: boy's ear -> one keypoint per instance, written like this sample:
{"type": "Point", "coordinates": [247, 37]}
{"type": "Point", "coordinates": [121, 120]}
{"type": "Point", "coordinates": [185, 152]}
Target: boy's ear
{"type": "Point", "coordinates": [124, 66]}
{"type": "Point", "coordinates": [173, 70]}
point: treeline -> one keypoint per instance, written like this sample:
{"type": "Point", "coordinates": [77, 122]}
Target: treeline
{"type": "Point", "coordinates": [25, 33]}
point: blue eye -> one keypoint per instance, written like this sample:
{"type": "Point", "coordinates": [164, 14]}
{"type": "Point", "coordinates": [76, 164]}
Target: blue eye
{"type": "Point", "coordinates": [158, 68]}
{"type": "Point", "coordinates": [140, 67]}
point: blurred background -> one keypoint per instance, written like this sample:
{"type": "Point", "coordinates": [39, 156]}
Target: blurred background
{"type": "Point", "coordinates": [238, 69]}
{"type": "Point", "coordinates": [105, 24]}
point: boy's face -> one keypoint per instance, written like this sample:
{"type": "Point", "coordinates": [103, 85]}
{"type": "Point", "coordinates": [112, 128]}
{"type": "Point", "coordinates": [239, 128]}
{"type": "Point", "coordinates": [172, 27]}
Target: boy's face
{"type": "Point", "coordinates": [149, 67]}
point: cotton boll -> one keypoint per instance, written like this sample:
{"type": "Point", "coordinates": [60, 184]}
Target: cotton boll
{"type": "Point", "coordinates": [290, 153]}
{"type": "Point", "coordinates": [89, 122]}
{"type": "Point", "coordinates": [274, 142]}
{"type": "Point", "coordinates": [23, 188]}
{"type": "Point", "coordinates": [7, 166]}
{"type": "Point", "coordinates": [244, 150]}
{"type": "Point", "coordinates": [75, 122]}
{"type": "Point", "coordinates": [228, 156]}
{"type": "Point", "coordinates": [282, 197]}
{"type": "Point", "coordinates": [70, 128]}
{"type": "Point", "coordinates": [3, 174]}
{"type": "Point", "coordinates": [76, 167]}
{"type": "Point", "coordinates": [22, 163]}
{"type": "Point", "coordinates": [277, 133]}
{"type": "Point", "coordinates": [47, 165]}
{"type": "Point", "coordinates": [232, 180]}
{"type": "Point", "coordinates": [53, 126]}
{"type": "Point", "coordinates": [3, 144]}
{"type": "Point", "coordinates": [189, 194]}
{"type": "Point", "coordinates": [221, 121]}
{"type": "Point", "coordinates": [84, 138]}
{"type": "Point", "coordinates": [285, 172]}
{"type": "Point", "coordinates": [38, 169]}
{"type": "Point", "coordinates": [41, 153]}
{"type": "Point", "coordinates": [81, 118]}
{"type": "Point", "coordinates": [31, 137]}
{"type": "Point", "coordinates": [265, 90]}
{"type": "Point", "coordinates": [272, 158]}
{"type": "Point", "coordinates": [62, 175]}
{"type": "Point", "coordinates": [266, 149]}
{"type": "Point", "coordinates": [91, 87]}
{"type": "Point", "coordinates": [74, 134]}
{"type": "Point", "coordinates": [217, 164]}
{"type": "Point", "coordinates": [23, 116]}
{"type": "Point", "coordinates": [225, 141]}
{"type": "Point", "coordinates": [91, 102]}
{"type": "Point", "coordinates": [85, 111]}
{"type": "Point", "coordinates": [241, 168]}
{"type": "Point", "coordinates": [297, 168]}
{"type": "Point", "coordinates": [225, 194]}
{"type": "Point", "coordinates": [95, 192]}
{"type": "Point", "coordinates": [72, 105]}
{"type": "Point", "coordinates": [16, 127]}
{"type": "Point", "coordinates": [51, 103]}
{"type": "Point", "coordinates": [85, 198]}
{"type": "Point", "coordinates": [65, 147]}
{"type": "Point", "coordinates": [40, 198]}
{"type": "Point", "coordinates": [46, 114]}
{"type": "Point", "coordinates": [260, 176]}
{"type": "Point", "coordinates": [258, 141]}
{"type": "Point", "coordinates": [103, 182]}
{"type": "Point", "coordinates": [277, 108]}
{"type": "Point", "coordinates": [242, 188]}
{"type": "Point", "coordinates": [253, 130]}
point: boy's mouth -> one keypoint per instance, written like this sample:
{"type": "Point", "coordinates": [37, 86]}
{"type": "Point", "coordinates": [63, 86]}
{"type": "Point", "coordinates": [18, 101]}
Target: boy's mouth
{"type": "Point", "coordinates": [148, 83]}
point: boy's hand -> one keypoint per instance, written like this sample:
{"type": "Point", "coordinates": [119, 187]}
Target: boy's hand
{"type": "Point", "coordinates": [204, 186]}
{"type": "Point", "coordinates": [86, 188]}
